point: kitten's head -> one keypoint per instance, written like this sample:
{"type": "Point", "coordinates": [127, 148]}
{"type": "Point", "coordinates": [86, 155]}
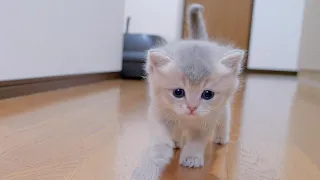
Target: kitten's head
{"type": "Point", "coordinates": [193, 78]}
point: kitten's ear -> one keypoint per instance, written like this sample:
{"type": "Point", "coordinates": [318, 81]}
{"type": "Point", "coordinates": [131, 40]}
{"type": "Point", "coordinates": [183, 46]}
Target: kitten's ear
{"type": "Point", "coordinates": [233, 60]}
{"type": "Point", "coordinates": [156, 60]}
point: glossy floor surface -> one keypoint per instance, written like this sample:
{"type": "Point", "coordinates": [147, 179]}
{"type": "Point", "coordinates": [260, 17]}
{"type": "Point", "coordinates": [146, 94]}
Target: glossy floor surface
{"type": "Point", "coordinates": [98, 132]}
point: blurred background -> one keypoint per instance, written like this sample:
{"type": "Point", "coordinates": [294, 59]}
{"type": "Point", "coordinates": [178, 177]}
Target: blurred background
{"type": "Point", "coordinates": [40, 39]}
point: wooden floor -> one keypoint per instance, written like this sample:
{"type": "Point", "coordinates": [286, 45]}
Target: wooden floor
{"type": "Point", "coordinates": [98, 132]}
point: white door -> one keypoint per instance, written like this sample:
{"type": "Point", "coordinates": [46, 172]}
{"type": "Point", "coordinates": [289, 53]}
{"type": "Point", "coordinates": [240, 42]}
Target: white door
{"type": "Point", "coordinates": [275, 35]}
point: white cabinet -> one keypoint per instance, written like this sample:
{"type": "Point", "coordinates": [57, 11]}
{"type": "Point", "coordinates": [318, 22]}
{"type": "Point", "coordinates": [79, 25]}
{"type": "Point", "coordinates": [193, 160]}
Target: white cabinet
{"type": "Point", "coordinates": [59, 37]}
{"type": "Point", "coordinates": [275, 35]}
{"type": "Point", "coordinates": [159, 17]}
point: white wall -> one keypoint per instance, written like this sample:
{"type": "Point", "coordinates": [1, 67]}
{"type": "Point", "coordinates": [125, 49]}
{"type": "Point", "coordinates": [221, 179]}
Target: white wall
{"type": "Point", "coordinates": [59, 37]}
{"type": "Point", "coordinates": [310, 54]}
{"type": "Point", "coordinates": [160, 17]}
{"type": "Point", "coordinates": [275, 34]}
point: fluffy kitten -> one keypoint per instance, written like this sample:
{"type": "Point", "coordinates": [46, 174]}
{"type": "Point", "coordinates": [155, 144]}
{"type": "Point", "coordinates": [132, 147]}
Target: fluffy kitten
{"type": "Point", "coordinates": [191, 84]}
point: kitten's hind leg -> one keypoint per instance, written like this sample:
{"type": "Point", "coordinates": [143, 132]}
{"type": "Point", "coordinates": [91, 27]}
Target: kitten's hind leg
{"type": "Point", "coordinates": [222, 134]}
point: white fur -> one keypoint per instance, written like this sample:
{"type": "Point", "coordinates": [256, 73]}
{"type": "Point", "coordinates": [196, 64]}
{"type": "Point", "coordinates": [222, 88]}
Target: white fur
{"type": "Point", "coordinates": [170, 116]}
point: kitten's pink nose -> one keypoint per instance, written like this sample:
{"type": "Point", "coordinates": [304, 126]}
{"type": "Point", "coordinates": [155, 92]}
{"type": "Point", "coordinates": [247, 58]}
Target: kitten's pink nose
{"type": "Point", "coordinates": [192, 108]}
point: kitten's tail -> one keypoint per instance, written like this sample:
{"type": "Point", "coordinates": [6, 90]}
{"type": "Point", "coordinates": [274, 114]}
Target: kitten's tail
{"type": "Point", "coordinates": [196, 24]}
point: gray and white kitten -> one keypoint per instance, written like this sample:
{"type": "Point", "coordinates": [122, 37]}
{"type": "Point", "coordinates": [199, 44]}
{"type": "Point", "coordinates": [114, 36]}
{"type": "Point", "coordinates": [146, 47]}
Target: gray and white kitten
{"type": "Point", "coordinates": [191, 85]}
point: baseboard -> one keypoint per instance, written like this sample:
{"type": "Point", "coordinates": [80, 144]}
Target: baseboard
{"type": "Point", "coordinates": [9, 89]}
{"type": "Point", "coordinates": [310, 75]}
{"type": "Point", "coordinates": [271, 72]}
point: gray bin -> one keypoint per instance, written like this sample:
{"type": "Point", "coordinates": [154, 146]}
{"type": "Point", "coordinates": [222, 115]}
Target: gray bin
{"type": "Point", "coordinates": [135, 49]}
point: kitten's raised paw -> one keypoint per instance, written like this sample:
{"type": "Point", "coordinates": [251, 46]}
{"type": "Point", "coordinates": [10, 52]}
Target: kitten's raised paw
{"type": "Point", "coordinates": [221, 140]}
{"type": "Point", "coordinates": [192, 161]}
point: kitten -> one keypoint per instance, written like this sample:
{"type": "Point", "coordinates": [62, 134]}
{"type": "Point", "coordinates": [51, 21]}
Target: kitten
{"type": "Point", "coordinates": [191, 84]}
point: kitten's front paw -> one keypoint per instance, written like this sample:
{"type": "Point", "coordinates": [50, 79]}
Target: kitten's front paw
{"type": "Point", "coordinates": [192, 157]}
{"type": "Point", "coordinates": [192, 161]}
{"type": "Point", "coordinates": [221, 140]}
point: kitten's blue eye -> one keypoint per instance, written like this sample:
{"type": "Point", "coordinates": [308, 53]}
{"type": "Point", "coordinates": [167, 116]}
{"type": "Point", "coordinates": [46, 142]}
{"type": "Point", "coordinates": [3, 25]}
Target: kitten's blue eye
{"type": "Point", "coordinates": [178, 93]}
{"type": "Point", "coordinates": [207, 95]}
